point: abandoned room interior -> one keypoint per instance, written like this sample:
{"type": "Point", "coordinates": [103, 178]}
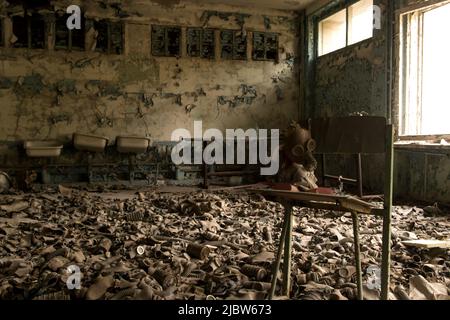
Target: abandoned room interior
{"type": "Point", "coordinates": [224, 150]}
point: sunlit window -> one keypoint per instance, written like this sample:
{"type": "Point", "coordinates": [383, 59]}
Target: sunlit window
{"type": "Point", "coordinates": [436, 72]}
{"type": "Point", "coordinates": [425, 73]}
{"type": "Point", "coordinates": [332, 33]}
{"type": "Point", "coordinates": [360, 20]}
{"type": "Point", "coordinates": [348, 26]}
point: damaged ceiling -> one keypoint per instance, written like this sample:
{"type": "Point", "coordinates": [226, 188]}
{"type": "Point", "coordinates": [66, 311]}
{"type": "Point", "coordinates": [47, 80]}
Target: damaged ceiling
{"type": "Point", "coordinates": [272, 4]}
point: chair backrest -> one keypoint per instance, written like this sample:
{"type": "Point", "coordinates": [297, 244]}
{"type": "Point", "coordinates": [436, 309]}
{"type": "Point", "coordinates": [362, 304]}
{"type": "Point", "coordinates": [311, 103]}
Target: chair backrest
{"type": "Point", "coordinates": [350, 135]}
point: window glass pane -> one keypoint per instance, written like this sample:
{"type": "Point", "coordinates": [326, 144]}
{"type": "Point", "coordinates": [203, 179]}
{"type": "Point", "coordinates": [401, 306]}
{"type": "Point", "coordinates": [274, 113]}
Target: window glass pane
{"type": "Point", "coordinates": [193, 42]}
{"type": "Point", "coordinates": [332, 33]}
{"type": "Point", "coordinates": [240, 46]}
{"type": "Point", "coordinates": [226, 41]}
{"type": "Point", "coordinates": [436, 71]}
{"type": "Point", "coordinates": [174, 41]}
{"type": "Point", "coordinates": [208, 44]}
{"type": "Point", "coordinates": [61, 31]}
{"type": "Point", "coordinates": [78, 36]}
{"type": "Point", "coordinates": [360, 19]}
{"type": "Point", "coordinates": [102, 37]}
{"type": "Point", "coordinates": [158, 41]}
{"type": "Point", "coordinates": [20, 30]}
{"type": "Point", "coordinates": [37, 31]}
{"type": "Point", "coordinates": [116, 38]}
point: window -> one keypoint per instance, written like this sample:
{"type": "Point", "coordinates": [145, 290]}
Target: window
{"type": "Point", "coordinates": [20, 31]}
{"type": "Point", "coordinates": [332, 32]}
{"type": "Point", "coordinates": [29, 31]}
{"type": "Point", "coordinates": [360, 21]}
{"type": "Point", "coordinates": [233, 45]}
{"type": "Point", "coordinates": [109, 36]}
{"type": "Point", "coordinates": [265, 46]}
{"type": "Point", "coordinates": [346, 27]}
{"type": "Point", "coordinates": [200, 43]}
{"type": "Point", "coordinates": [424, 72]}
{"type": "Point", "coordinates": [65, 38]}
{"type": "Point", "coordinates": [166, 41]}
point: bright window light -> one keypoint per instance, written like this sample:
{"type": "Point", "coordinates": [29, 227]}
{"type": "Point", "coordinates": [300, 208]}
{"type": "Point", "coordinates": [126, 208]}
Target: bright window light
{"type": "Point", "coordinates": [332, 33]}
{"type": "Point", "coordinates": [436, 72]}
{"type": "Point", "coordinates": [360, 19]}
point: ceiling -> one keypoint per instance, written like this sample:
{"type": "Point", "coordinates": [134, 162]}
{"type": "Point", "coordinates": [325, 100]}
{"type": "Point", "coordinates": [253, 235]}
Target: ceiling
{"type": "Point", "coordinates": [272, 4]}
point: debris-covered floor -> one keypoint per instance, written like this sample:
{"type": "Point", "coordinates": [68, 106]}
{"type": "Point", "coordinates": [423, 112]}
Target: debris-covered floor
{"type": "Point", "coordinates": [202, 245]}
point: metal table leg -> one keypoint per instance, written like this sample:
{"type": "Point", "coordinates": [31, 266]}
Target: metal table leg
{"type": "Point", "coordinates": [89, 168]}
{"type": "Point", "coordinates": [276, 266]}
{"type": "Point", "coordinates": [131, 167]}
{"type": "Point", "coordinates": [357, 255]}
{"type": "Point", "coordinates": [388, 194]}
{"type": "Point", "coordinates": [386, 256]}
{"type": "Point", "coordinates": [287, 250]}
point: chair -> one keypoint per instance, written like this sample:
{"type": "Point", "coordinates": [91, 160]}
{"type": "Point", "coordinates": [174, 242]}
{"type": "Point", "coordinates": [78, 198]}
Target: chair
{"type": "Point", "coordinates": [346, 135]}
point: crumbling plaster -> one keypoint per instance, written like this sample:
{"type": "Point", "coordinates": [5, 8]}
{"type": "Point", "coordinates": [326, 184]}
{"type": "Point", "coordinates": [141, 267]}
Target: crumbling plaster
{"type": "Point", "coordinates": [422, 174]}
{"type": "Point", "coordinates": [347, 81]}
{"type": "Point", "coordinates": [352, 80]}
{"type": "Point", "coordinates": [48, 94]}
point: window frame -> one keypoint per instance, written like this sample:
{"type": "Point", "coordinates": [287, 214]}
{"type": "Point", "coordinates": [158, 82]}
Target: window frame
{"type": "Point", "coordinates": [405, 18]}
{"type": "Point", "coordinates": [201, 42]}
{"type": "Point", "coordinates": [109, 23]}
{"type": "Point", "coordinates": [233, 46]}
{"type": "Point", "coordinates": [341, 6]}
{"type": "Point", "coordinates": [276, 35]}
{"type": "Point", "coordinates": [70, 46]}
{"type": "Point", "coordinates": [28, 21]}
{"type": "Point", "coordinates": [166, 42]}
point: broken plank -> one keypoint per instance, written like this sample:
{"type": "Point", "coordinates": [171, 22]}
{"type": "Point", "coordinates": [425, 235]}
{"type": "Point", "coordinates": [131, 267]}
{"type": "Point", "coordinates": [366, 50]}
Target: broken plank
{"type": "Point", "coordinates": [444, 244]}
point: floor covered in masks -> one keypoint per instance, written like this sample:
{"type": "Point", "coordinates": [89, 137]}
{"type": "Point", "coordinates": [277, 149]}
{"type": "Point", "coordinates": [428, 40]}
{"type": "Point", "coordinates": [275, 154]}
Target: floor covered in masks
{"type": "Point", "coordinates": [192, 244]}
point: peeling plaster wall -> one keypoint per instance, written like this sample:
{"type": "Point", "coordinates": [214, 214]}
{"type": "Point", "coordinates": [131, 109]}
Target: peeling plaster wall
{"type": "Point", "coordinates": [348, 81]}
{"type": "Point", "coordinates": [358, 70]}
{"type": "Point", "coordinates": [421, 174]}
{"type": "Point", "coordinates": [352, 80]}
{"type": "Point", "coordinates": [47, 94]}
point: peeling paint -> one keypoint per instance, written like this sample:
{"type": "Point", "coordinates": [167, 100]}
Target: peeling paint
{"type": "Point", "coordinates": [50, 94]}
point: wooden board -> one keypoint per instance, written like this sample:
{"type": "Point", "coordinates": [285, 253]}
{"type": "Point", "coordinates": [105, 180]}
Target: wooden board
{"type": "Point", "coordinates": [353, 135]}
{"type": "Point", "coordinates": [443, 244]}
{"type": "Point", "coordinates": [342, 203]}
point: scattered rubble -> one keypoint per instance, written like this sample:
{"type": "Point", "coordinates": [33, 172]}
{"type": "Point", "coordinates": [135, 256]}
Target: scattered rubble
{"type": "Point", "coordinates": [202, 245]}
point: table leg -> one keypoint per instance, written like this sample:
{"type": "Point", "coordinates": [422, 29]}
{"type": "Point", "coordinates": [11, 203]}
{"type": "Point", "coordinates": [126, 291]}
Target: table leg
{"type": "Point", "coordinates": [276, 266]}
{"type": "Point", "coordinates": [131, 167]}
{"type": "Point", "coordinates": [357, 255]}
{"type": "Point", "coordinates": [386, 256]}
{"type": "Point", "coordinates": [287, 250]}
{"type": "Point", "coordinates": [89, 168]}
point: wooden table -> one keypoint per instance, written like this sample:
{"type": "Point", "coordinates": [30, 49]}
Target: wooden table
{"type": "Point", "coordinates": [340, 203]}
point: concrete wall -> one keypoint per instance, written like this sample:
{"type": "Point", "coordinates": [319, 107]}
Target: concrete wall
{"type": "Point", "coordinates": [47, 94]}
